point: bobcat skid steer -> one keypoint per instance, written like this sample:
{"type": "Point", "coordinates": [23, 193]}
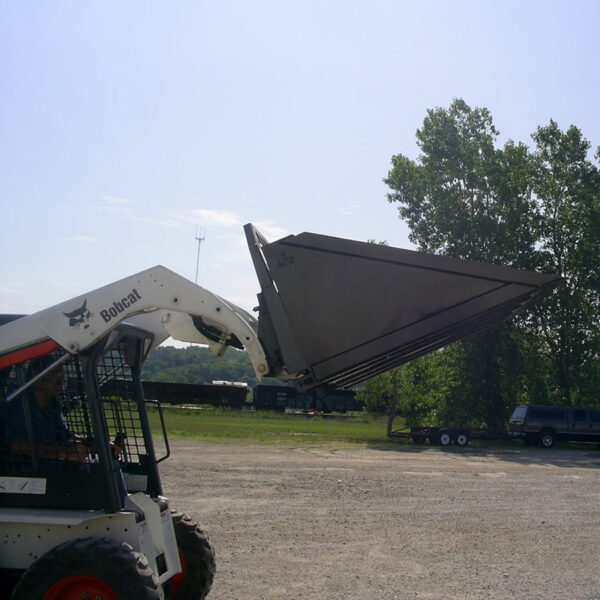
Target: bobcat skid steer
{"type": "Point", "coordinates": [82, 511]}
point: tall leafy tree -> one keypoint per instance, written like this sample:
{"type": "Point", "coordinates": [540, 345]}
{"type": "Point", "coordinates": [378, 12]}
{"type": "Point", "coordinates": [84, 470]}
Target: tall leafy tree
{"type": "Point", "coordinates": [567, 190]}
{"type": "Point", "coordinates": [465, 197]}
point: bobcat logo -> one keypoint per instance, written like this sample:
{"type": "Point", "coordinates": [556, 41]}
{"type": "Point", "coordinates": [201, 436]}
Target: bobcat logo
{"type": "Point", "coordinates": [80, 316]}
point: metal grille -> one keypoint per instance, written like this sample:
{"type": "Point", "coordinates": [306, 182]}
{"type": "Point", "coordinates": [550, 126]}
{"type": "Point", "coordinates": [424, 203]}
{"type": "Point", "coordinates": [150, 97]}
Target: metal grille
{"type": "Point", "coordinates": [58, 414]}
{"type": "Point", "coordinates": [73, 401]}
{"type": "Point", "coordinates": [70, 415]}
{"type": "Point", "coordinates": [65, 421]}
{"type": "Point", "coordinates": [120, 396]}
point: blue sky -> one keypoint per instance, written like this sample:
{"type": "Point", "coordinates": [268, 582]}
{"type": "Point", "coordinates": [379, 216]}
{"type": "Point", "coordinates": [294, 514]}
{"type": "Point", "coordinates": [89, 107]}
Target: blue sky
{"type": "Point", "coordinates": [126, 126]}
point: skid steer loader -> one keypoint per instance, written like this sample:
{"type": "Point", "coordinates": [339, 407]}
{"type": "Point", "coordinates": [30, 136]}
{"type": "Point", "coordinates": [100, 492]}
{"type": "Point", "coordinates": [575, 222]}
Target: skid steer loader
{"type": "Point", "coordinates": [82, 510]}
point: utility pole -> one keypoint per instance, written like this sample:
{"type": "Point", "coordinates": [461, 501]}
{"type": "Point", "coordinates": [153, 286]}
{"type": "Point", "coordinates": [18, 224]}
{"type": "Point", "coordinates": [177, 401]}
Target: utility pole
{"type": "Point", "coordinates": [199, 238]}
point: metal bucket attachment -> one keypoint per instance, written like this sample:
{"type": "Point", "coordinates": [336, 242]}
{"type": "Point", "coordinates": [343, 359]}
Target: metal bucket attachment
{"type": "Point", "coordinates": [337, 312]}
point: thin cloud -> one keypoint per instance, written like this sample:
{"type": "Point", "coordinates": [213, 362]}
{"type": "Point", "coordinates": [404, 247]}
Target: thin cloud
{"type": "Point", "coordinates": [207, 216]}
{"type": "Point", "coordinates": [171, 223]}
{"type": "Point", "coordinates": [115, 200]}
{"type": "Point", "coordinates": [80, 238]}
{"type": "Point", "coordinates": [113, 204]}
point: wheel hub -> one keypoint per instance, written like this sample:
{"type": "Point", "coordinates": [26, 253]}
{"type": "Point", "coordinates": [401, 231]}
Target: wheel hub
{"type": "Point", "coordinates": [80, 587]}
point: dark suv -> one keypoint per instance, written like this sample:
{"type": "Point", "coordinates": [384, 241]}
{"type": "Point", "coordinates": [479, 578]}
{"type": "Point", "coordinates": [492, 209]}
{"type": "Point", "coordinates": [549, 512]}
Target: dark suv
{"type": "Point", "coordinates": [545, 425]}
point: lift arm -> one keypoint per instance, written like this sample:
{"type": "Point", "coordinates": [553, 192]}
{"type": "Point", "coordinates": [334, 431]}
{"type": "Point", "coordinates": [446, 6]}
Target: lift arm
{"type": "Point", "coordinates": [157, 300]}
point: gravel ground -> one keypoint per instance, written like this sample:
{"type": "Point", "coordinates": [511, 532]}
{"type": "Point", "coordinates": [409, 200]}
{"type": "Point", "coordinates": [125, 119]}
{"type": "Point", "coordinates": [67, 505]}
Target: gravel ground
{"type": "Point", "coordinates": [410, 523]}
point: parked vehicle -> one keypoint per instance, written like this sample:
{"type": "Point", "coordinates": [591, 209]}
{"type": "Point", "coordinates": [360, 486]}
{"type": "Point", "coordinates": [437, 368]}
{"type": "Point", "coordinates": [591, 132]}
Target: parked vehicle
{"type": "Point", "coordinates": [545, 425]}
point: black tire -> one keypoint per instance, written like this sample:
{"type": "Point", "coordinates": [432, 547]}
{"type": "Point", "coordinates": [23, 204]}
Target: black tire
{"type": "Point", "coordinates": [418, 439]}
{"type": "Point", "coordinates": [90, 568]}
{"type": "Point", "coordinates": [444, 438]}
{"type": "Point", "coordinates": [547, 438]}
{"type": "Point", "coordinates": [462, 438]}
{"type": "Point", "coordinates": [197, 557]}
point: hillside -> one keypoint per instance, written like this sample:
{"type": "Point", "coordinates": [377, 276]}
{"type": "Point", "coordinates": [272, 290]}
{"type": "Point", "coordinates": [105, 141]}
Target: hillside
{"type": "Point", "coordinates": [196, 364]}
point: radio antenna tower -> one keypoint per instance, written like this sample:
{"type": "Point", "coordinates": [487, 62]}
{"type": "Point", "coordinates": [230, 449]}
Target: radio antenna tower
{"type": "Point", "coordinates": [199, 238]}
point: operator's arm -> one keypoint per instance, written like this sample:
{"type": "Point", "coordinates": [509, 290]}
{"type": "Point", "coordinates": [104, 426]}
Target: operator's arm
{"type": "Point", "coordinates": [76, 452]}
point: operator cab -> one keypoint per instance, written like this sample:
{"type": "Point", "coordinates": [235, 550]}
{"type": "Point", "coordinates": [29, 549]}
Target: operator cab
{"type": "Point", "coordinates": [90, 444]}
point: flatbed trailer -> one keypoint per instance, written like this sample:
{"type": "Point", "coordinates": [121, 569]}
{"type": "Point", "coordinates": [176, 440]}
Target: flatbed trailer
{"type": "Point", "coordinates": [444, 436]}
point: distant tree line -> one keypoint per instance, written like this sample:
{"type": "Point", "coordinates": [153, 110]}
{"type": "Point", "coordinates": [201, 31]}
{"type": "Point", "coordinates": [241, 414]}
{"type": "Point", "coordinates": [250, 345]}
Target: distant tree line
{"type": "Point", "coordinates": [195, 364]}
{"type": "Point", "coordinates": [535, 208]}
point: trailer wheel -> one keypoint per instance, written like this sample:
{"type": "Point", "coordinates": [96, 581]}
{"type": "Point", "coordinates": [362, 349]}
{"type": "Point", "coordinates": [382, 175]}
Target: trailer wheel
{"type": "Point", "coordinates": [462, 439]}
{"type": "Point", "coordinates": [418, 439]}
{"type": "Point", "coordinates": [547, 438]}
{"type": "Point", "coordinates": [197, 560]}
{"type": "Point", "coordinates": [445, 438]}
{"type": "Point", "coordinates": [89, 568]}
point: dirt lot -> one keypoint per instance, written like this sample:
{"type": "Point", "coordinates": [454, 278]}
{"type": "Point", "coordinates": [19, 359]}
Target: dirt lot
{"type": "Point", "coordinates": [410, 523]}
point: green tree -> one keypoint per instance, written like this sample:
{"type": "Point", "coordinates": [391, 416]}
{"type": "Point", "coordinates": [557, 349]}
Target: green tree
{"type": "Point", "coordinates": [410, 391]}
{"type": "Point", "coordinates": [195, 364]}
{"type": "Point", "coordinates": [462, 197]}
{"type": "Point", "coordinates": [486, 375]}
{"type": "Point", "coordinates": [567, 189]}
{"type": "Point", "coordinates": [466, 198]}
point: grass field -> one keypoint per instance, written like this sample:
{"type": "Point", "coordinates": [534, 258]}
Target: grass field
{"type": "Point", "coordinates": [264, 427]}
{"type": "Point", "coordinates": [214, 425]}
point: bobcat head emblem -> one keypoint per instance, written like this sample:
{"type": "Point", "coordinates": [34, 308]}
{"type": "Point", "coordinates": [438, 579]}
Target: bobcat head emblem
{"type": "Point", "coordinates": [79, 316]}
